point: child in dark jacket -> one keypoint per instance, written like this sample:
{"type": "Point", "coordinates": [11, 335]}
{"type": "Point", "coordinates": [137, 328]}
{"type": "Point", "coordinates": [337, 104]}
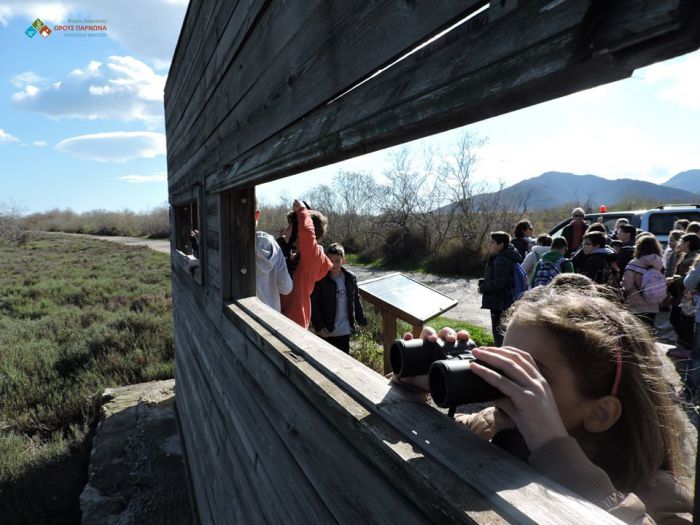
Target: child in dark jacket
{"type": "Point", "coordinates": [335, 302]}
{"type": "Point", "coordinates": [499, 281]}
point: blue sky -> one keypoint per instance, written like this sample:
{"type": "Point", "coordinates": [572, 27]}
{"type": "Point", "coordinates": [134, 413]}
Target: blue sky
{"type": "Point", "coordinates": [81, 118]}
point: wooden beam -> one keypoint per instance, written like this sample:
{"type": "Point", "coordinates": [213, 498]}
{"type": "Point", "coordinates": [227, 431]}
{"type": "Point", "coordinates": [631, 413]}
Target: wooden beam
{"type": "Point", "coordinates": [237, 244]}
{"type": "Point", "coordinates": [319, 50]}
{"type": "Point", "coordinates": [509, 487]}
{"type": "Point", "coordinates": [481, 69]}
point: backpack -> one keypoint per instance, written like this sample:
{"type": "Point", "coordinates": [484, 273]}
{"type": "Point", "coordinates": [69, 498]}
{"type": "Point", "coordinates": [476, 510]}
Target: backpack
{"type": "Point", "coordinates": [548, 270]}
{"type": "Point", "coordinates": [520, 281]}
{"type": "Point", "coordinates": [653, 288]}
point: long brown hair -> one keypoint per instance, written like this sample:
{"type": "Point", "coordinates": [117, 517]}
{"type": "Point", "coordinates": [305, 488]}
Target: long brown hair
{"type": "Point", "coordinates": [590, 330]}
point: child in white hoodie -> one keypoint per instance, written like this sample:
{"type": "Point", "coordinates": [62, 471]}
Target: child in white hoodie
{"type": "Point", "coordinates": [271, 275]}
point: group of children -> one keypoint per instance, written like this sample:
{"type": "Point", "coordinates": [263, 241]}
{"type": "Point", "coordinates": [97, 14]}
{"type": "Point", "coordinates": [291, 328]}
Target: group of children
{"type": "Point", "coordinates": [578, 371]}
{"type": "Point", "coordinates": [295, 276]}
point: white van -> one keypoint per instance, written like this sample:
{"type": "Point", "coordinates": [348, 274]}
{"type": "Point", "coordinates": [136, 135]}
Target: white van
{"type": "Point", "coordinates": [658, 221]}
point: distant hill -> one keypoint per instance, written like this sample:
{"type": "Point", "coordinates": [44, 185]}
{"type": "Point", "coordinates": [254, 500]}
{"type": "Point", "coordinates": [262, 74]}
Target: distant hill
{"type": "Point", "coordinates": [685, 180]}
{"type": "Point", "coordinates": [554, 189]}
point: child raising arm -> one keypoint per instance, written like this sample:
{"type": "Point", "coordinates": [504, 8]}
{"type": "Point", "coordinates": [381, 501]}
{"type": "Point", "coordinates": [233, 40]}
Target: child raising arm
{"type": "Point", "coordinates": [580, 379]}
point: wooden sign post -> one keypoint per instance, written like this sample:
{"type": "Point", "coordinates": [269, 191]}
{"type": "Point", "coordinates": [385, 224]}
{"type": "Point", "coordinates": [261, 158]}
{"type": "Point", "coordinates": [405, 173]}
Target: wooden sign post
{"type": "Point", "coordinates": [400, 297]}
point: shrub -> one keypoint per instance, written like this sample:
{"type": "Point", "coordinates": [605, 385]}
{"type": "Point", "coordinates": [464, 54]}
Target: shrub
{"type": "Point", "coordinates": [11, 231]}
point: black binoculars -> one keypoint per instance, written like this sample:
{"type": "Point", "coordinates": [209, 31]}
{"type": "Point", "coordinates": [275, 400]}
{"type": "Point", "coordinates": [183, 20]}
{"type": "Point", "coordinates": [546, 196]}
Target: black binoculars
{"type": "Point", "coordinates": [450, 380]}
{"type": "Point", "coordinates": [414, 357]}
{"type": "Point", "coordinates": [452, 383]}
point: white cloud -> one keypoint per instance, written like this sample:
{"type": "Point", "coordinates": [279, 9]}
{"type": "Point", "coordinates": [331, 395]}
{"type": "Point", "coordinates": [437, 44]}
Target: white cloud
{"type": "Point", "coordinates": [678, 80]}
{"type": "Point", "coordinates": [123, 88]}
{"type": "Point", "coordinates": [147, 28]}
{"type": "Point", "coordinates": [118, 146]}
{"type": "Point", "coordinates": [139, 179]}
{"type": "Point", "coordinates": [28, 77]}
{"type": "Point", "coordinates": [5, 137]}
{"type": "Point", "coordinates": [40, 143]}
{"type": "Point", "coordinates": [47, 11]}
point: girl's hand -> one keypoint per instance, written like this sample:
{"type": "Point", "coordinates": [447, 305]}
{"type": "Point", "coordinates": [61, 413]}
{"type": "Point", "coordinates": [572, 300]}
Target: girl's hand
{"type": "Point", "coordinates": [486, 423]}
{"type": "Point", "coordinates": [529, 401]}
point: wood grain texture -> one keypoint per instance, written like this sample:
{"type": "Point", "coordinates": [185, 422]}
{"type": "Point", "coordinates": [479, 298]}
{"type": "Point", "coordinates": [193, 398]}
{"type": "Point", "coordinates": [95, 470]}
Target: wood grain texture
{"type": "Point", "coordinates": [511, 488]}
{"type": "Point", "coordinates": [279, 426]}
{"type": "Point", "coordinates": [319, 50]}
{"type": "Point", "coordinates": [480, 70]}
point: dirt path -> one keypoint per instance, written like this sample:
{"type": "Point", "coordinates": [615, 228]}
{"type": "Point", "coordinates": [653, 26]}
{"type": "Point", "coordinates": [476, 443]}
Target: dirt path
{"type": "Point", "coordinates": [462, 290]}
{"type": "Point", "coordinates": [159, 245]}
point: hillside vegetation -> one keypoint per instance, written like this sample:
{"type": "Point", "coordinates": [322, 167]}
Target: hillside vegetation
{"type": "Point", "coordinates": [76, 316]}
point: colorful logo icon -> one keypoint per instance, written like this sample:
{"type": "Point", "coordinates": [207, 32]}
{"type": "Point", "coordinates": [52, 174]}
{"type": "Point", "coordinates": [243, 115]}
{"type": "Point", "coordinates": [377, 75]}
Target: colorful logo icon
{"type": "Point", "coordinates": [38, 24]}
{"type": "Point", "coordinates": [30, 32]}
{"type": "Point", "coordinates": [45, 31]}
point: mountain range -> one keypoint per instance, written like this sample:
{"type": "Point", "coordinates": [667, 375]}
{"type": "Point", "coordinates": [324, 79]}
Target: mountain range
{"type": "Point", "coordinates": [553, 188]}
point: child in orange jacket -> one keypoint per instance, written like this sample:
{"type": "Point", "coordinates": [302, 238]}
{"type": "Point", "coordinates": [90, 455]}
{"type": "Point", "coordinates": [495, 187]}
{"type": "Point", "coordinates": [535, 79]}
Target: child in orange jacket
{"type": "Point", "coordinates": [304, 228]}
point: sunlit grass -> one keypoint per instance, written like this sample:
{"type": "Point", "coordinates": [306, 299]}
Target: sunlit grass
{"type": "Point", "coordinates": [76, 316]}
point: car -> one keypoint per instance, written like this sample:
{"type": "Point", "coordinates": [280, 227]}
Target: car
{"type": "Point", "coordinates": [658, 221]}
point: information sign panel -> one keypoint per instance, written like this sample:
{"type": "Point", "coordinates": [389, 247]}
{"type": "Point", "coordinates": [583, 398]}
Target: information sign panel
{"type": "Point", "coordinates": [408, 299]}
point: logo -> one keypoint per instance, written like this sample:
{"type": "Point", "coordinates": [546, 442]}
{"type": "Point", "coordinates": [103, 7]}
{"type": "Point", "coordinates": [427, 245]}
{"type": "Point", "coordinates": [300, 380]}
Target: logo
{"type": "Point", "coordinates": [38, 27]}
{"type": "Point", "coordinates": [70, 28]}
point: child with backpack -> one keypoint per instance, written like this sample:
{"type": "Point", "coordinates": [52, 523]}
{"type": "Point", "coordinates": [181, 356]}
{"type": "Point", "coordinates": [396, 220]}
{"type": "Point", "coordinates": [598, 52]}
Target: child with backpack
{"type": "Point", "coordinates": [643, 282]}
{"type": "Point", "coordinates": [552, 264]}
{"type": "Point", "coordinates": [580, 382]}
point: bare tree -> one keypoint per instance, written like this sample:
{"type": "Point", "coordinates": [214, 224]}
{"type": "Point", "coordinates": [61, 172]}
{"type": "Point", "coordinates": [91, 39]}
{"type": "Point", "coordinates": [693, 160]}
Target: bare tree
{"type": "Point", "coordinates": [11, 230]}
{"type": "Point", "coordinates": [349, 202]}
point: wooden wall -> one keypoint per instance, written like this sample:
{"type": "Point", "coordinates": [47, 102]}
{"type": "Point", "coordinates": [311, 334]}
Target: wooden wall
{"type": "Point", "coordinates": [278, 426]}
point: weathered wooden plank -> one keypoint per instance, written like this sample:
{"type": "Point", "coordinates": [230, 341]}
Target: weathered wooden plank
{"type": "Point", "coordinates": [290, 419]}
{"type": "Point", "coordinates": [201, 456]}
{"type": "Point", "coordinates": [527, 495]}
{"type": "Point", "coordinates": [278, 409]}
{"type": "Point", "coordinates": [230, 33]}
{"type": "Point", "coordinates": [226, 495]}
{"type": "Point", "coordinates": [320, 50]}
{"type": "Point", "coordinates": [476, 45]}
{"type": "Point", "coordinates": [455, 81]}
{"type": "Point", "coordinates": [451, 82]}
{"type": "Point", "coordinates": [249, 425]}
{"type": "Point", "coordinates": [225, 234]}
{"type": "Point", "coordinates": [423, 482]}
{"type": "Point", "coordinates": [210, 449]}
{"type": "Point", "coordinates": [329, 460]}
{"type": "Point", "coordinates": [242, 241]}
{"type": "Point", "coordinates": [200, 54]}
{"type": "Point", "coordinates": [186, 33]}
{"type": "Point", "coordinates": [233, 417]}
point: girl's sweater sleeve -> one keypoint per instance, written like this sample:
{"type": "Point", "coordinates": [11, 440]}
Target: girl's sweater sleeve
{"type": "Point", "coordinates": [563, 461]}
